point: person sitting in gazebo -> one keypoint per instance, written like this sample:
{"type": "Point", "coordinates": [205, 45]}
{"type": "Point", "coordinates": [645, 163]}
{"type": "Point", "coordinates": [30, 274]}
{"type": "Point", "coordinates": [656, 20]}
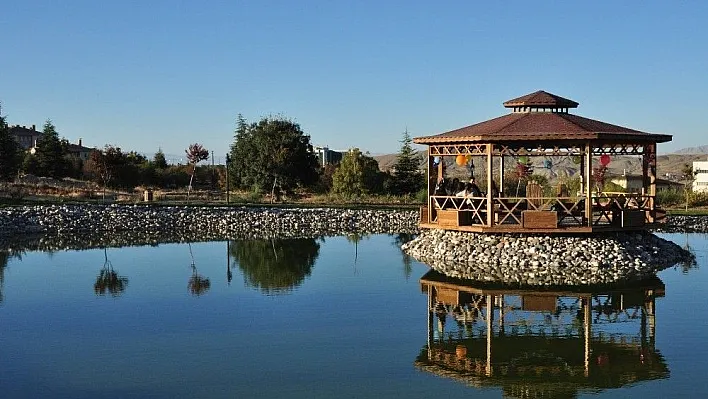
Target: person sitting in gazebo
{"type": "Point", "coordinates": [474, 189]}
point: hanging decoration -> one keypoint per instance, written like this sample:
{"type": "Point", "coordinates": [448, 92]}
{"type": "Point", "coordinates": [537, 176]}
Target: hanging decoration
{"type": "Point", "coordinates": [468, 158]}
{"type": "Point", "coordinates": [576, 159]}
{"type": "Point", "coordinates": [548, 164]}
{"type": "Point", "coordinates": [460, 160]}
{"type": "Point", "coordinates": [436, 161]}
{"type": "Point", "coordinates": [605, 160]}
{"type": "Point", "coordinates": [523, 159]}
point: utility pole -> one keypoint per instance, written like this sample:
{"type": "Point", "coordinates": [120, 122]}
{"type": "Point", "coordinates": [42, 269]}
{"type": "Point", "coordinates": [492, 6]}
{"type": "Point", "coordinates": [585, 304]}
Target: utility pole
{"type": "Point", "coordinates": [228, 161]}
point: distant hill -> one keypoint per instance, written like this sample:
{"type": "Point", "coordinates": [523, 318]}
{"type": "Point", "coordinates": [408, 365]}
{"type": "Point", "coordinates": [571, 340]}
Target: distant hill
{"type": "Point", "coordinates": [701, 149]}
{"type": "Point", "coordinates": [387, 161]}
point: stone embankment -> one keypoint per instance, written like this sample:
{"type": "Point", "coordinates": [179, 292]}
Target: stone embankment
{"type": "Point", "coordinates": [195, 223]}
{"type": "Point", "coordinates": [685, 224]}
{"type": "Point", "coordinates": [546, 260]}
{"type": "Point", "coordinates": [508, 258]}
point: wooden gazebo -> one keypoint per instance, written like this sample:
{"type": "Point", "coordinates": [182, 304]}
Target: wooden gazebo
{"type": "Point", "coordinates": [541, 126]}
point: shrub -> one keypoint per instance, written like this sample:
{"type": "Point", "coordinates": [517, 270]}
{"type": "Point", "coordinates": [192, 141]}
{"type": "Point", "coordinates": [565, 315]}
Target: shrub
{"type": "Point", "coordinates": [698, 199]}
{"type": "Point", "coordinates": [670, 197]}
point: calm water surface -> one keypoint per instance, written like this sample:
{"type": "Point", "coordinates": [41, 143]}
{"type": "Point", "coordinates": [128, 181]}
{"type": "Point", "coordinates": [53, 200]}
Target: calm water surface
{"type": "Point", "coordinates": [333, 317]}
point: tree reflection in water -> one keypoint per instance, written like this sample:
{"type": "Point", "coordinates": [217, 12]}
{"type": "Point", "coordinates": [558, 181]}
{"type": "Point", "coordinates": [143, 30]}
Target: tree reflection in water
{"type": "Point", "coordinates": [197, 284]}
{"type": "Point", "coordinates": [4, 259]}
{"type": "Point", "coordinates": [275, 266]}
{"type": "Point", "coordinates": [690, 263]}
{"type": "Point", "coordinates": [398, 240]}
{"type": "Point", "coordinates": [108, 281]}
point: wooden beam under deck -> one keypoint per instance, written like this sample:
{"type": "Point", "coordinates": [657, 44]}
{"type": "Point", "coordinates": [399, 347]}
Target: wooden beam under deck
{"type": "Point", "coordinates": [519, 229]}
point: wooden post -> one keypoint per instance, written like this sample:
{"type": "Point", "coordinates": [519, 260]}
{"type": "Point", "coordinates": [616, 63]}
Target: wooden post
{"type": "Point", "coordinates": [588, 182]}
{"type": "Point", "coordinates": [587, 321]}
{"type": "Point", "coordinates": [490, 205]}
{"type": "Point", "coordinates": [501, 174]}
{"type": "Point", "coordinates": [652, 179]}
{"type": "Point", "coordinates": [490, 309]}
{"type": "Point", "coordinates": [431, 187]}
{"type": "Point", "coordinates": [431, 318]}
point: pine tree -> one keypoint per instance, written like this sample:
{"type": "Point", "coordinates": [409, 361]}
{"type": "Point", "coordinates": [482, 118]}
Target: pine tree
{"type": "Point", "coordinates": [50, 153]}
{"type": "Point", "coordinates": [10, 155]}
{"type": "Point", "coordinates": [407, 178]}
{"type": "Point", "coordinates": [159, 160]}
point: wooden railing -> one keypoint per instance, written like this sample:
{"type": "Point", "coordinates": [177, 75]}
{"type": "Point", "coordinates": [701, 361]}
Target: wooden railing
{"type": "Point", "coordinates": [607, 209]}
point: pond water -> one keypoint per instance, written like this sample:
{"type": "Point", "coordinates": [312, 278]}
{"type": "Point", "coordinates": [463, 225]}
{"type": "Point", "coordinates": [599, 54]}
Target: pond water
{"type": "Point", "coordinates": [334, 317]}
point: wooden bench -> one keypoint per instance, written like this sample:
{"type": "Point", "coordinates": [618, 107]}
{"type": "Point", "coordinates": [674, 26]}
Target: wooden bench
{"type": "Point", "coordinates": [539, 219]}
{"type": "Point", "coordinates": [453, 217]}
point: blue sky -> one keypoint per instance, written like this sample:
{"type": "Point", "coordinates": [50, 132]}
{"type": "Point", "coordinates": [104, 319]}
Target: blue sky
{"type": "Point", "coordinates": [149, 74]}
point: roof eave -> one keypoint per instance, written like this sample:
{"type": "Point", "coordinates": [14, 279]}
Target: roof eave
{"type": "Point", "coordinates": [629, 138]}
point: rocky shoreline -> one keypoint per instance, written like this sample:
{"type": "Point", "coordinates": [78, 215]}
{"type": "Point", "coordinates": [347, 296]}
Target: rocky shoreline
{"type": "Point", "coordinates": [533, 260]}
{"type": "Point", "coordinates": [108, 225]}
{"type": "Point", "coordinates": [518, 259]}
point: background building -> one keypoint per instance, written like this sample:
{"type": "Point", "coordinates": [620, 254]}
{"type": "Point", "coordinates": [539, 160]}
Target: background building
{"type": "Point", "coordinates": [26, 136]}
{"type": "Point", "coordinates": [325, 156]}
{"type": "Point", "coordinates": [633, 183]}
{"type": "Point", "coordinates": [700, 173]}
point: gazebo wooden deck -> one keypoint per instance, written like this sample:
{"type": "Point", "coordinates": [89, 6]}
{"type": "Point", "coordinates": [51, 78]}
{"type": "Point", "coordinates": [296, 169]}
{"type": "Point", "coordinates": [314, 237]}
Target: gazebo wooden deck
{"type": "Point", "coordinates": [541, 126]}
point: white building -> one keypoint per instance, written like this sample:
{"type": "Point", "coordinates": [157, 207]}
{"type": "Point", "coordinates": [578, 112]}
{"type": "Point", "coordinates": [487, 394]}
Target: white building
{"type": "Point", "coordinates": [700, 173]}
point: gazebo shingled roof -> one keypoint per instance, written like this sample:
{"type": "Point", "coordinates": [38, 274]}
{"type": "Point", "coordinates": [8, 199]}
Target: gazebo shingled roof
{"type": "Point", "coordinates": [541, 99]}
{"type": "Point", "coordinates": [529, 125]}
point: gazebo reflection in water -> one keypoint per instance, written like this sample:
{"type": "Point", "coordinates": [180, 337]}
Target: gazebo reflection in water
{"type": "Point", "coordinates": [551, 343]}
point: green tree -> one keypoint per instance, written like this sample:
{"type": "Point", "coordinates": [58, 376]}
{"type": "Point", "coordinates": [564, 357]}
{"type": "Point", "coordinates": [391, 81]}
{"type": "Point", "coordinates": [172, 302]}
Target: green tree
{"type": "Point", "coordinates": [10, 154]}
{"type": "Point", "coordinates": [407, 178]}
{"type": "Point", "coordinates": [348, 179]}
{"type": "Point", "coordinates": [159, 160]}
{"type": "Point", "coordinates": [275, 266]}
{"type": "Point", "coordinates": [50, 153]}
{"type": "Point", "coordinates": [273, 153]}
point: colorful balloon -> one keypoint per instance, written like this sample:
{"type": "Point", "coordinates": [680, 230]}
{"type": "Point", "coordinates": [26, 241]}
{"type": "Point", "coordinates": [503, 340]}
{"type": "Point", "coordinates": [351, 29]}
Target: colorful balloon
{"type": "Point", "coordinates": [436, 160]}
{"type": "Point", "coordinates": [468, 158]}
{"type": "Point", "coordinates": [460, 160]}
{"type": "Point", "coordinates": [605, 160]}
{"type": "Point", "coordinates": [576, 160]}
{"type": "Point", "coordinates": [524, 159]}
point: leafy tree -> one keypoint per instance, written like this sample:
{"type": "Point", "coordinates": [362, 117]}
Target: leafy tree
{"type": "Point", "coordinates": [50, 153]}
{"type": "Point", "coordinates": [101, 166]}
{"type": "Point", "coordinates": [195, 154]}
{"type": "Point", "coordinates": [10, 154]}
{"type": "Point", "coordinates": [407, 178]}
{"type": "Point", "coordinates": [273, 153]}
{"type": "Point", "coordinates": [348, 180]}
{"type": "Point", "coordinates": [275, 266]}
{"type": "Point", "coordinates": [357, 174]}
{"type": "Point", "coordinates": [687, 177]}
{"type": "Point", "coordinates": [159, 160]}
